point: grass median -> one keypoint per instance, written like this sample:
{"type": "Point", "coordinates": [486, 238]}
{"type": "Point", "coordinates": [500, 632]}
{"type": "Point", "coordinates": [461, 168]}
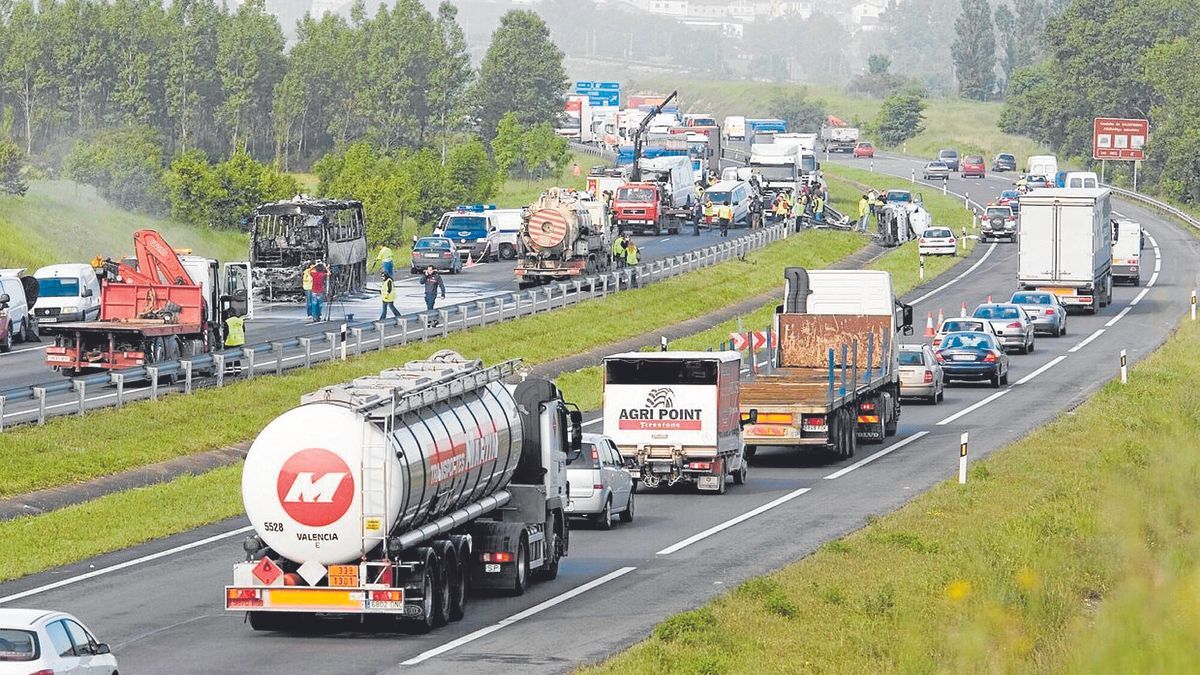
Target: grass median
{"type": "Point", "coordinates": [1076, 549]}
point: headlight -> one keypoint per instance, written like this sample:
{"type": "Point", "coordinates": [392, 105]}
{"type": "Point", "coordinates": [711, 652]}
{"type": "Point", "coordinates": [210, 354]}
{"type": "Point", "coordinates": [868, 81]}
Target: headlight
{"type": "Point", "coordinates": [69, 309]}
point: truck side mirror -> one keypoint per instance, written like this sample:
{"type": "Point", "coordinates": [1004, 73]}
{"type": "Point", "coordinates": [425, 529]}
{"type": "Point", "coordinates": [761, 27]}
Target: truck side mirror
{"type": "Point", "coordinates": [907, 313]}
{"type": "Point", "coordinates": [575, 444]}
{"type": "Point", "coordinates": [4, 298]}
{"type": "Point", "coordinates": [87, 293]}
{"type": "Point", "coordinates": [749, 418]}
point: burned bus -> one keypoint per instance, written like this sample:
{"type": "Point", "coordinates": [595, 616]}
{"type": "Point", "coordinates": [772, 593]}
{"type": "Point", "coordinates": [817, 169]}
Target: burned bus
{"type": "Point", "coordinates": [288, 236]}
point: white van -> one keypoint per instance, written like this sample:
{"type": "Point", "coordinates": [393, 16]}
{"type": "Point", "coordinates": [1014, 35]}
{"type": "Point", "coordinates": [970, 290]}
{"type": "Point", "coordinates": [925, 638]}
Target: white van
{"type": "Point", "coordinates": [1127, 252]}
{"type": "Point", "coordinates": [18, 293]}
{"type": "Point", "coordinates": [735, 128]}
{"type": "Point", "coordinates": [1081, 179]}
{"type": "Point", "coordinates": [1043, 165]}
{"type": "Point", "coordinates": [735, 193]}
{"type": "Point", "coordinates": [67, 292]}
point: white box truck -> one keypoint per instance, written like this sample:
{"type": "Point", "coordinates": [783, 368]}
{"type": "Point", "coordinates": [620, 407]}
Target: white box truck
{"type": "Point", "coordinates": [1064, 245]}
{"type": "Point", "coordinates": [778, 166]}
{"type": "Point", "coordinates": [1127, 252]}
{"type": "Point", "coordinates": [674, 416]}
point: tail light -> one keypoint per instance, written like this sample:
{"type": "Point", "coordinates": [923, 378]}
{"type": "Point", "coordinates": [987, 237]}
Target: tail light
{"type": "Point", "coordinates": [928, 376]}
{"type": "Point", "coordinates": [921, 240]}
{"type": "Point", "coordinates": [1015, 324]}
{"type": "Point", "coordinates": [44, 671]}
{"type": "Point", "coordinates": [700, 466]}
{"type": "Point", "coordinates": [953, 240]}
{"type": "Point", "coordinates": [446, 255]}
{"type": "Point", "coordinates": [938, 356]}
{"type": "Point", "coordinates": [866, 406]}
{"type": "Point", "coordinates": [1049, 312]}
{"type": "Point", "coordinates": [595, 455]}
{"type": "Point", "coordinates": [501, 557]}
{"type": "Point", "coordinates": [814, 421]}
{"type": "Point", "coordinates": [990, 358]}
{"type": "Point", "coordinates": [937, 341]}
{"type": "Point", "coordinates": [597, 486]}
{"type": "Point", "coordinates": [387, 596]}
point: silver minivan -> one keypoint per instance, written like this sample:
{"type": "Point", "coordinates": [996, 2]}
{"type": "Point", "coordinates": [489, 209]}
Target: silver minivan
{"type": "Point", "coordinates": [600, 484]}
{"type": "Point", "coordinates": [736, 193]}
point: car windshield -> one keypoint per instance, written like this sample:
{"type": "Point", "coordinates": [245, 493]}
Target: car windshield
{"type": "Point", "coordinates": [998, 313]}
{"type": "Point", "coordinates": [899, 196]}
{"type": "Point", "coordinates": [948, 154]}
{"type": "Point", "coordinates": [974, 159]}
{"type": "Point", "coordinates": [865, 146]}
{"type": "Point", "coordinates": [937, 233]}
{"type": "Point", "coordinates": [1010, 194]}
{"type": "Point", "coordinates": [999, 212]}
{"type": "Point", "coordinates": [17, 645]}
{"type": "Point", "coordinates": [936, 165]}
{"type": "Point", "coordinates": [469, 224]}
{"type": "Point", "coordinates": [432, 244]}
{"type": "Point", "coordinates": [912, 358]}
{"type": "Point", "coordinates": [635, 194]}
{"type": "Point", "coordinates": [58, 287]}
{"type": "Point", "coordinates": [960, 326]}
{"type": "Point", "coordinates": [718, 197]}
{"type": "Point", "coordinates": [1007, 158]}
{"type": "Point", "coordinates": [967, 341]}
{"type": "Point", "coordinates": [660, 371]}
{"type": "Point", "coordinates": [1031, 299]}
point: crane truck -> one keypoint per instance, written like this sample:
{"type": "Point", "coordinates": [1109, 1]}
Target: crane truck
{"type": "Point", "coordinates": [835, 376]}
{"type": "Point", "coordinates": [163, 307]}
{"type": "Point", "coordinates": [390, 498]}
{"type": "Point", "coordinates": [563, 236]}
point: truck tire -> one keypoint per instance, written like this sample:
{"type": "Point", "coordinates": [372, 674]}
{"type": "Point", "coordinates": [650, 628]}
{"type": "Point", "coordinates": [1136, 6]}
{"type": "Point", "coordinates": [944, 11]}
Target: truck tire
{"type": "Point", "coordinates": [271, 621]}
{"type": "Point", "coordinates": [751, 451]}
{"type": "Point", "coordinates": [739, 476]}
{"type": "Point", "coordinates": [429, 608]}
{"type": "Point", "coordinates": [549, 571]}
{"type": "Point", "coordinates": [508, 252]}
{"type": "Point", "coordinates": [521, 568]}
{"type": "Point", "coordinates": [462, 589]}
{"type": "Point", "coordinates": [851, 437]}
{"type": "Point", "coordinates": [447, 578]}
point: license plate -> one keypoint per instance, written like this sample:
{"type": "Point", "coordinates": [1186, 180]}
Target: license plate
{"type": "Point", "coordinates": [816, 427]}
{"type": "Point", "coordinates": [710, 482]}
{"type": "Point", "coordinates": [963, 357]}
{"type": "Point", "coordinates": [385, 604]}
{"type": "Point", "coordinates": [58, 359]}
{"type": "Point", "coordinates": [48, 319]}
{"type": "Point", "coordinates": [491, 568]}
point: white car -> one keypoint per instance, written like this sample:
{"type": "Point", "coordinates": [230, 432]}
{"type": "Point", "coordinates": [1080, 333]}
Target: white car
{"type": "Point", "coordinates": [937, 241]}
{"type": "Point", "coordinates": [962, 325]}
{"type": "Point", "coordinates": [38, 641]}
{"type": "Point", "coordinates": [600, 484]}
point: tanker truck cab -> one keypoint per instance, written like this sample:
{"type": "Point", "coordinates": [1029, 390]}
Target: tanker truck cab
{"type": "Point", "coordinates": [396, 495]}
{"type": "Point", "coordinates": [674, 417]}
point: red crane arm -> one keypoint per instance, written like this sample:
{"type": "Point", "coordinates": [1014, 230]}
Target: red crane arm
{"type": "Point", "coordinates": [157, 261]}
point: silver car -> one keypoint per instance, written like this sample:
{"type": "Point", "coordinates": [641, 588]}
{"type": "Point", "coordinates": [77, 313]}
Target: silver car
{"type": "Point", "coordinates": [39, 641]}
{"type": "Point", "coordinates": [920, 374]}
{"type": "Point", "coordinates": [1044, 310]}
{"type": "Point", "coordinates": [936, 171]}
{"type": "Point", "coordinates": [600, 484]}
{"type": "Point", "coordinates": [1013, 328]}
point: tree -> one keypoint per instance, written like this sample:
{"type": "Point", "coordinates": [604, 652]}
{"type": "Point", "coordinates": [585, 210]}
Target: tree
{"type": "Point", "coordinates": [124, 165]}
{"type": "Point", "coordinates": [191, 188]}
{"type": "Point", "coordinates": [1173, 153]}
{"type": "Point", "coordinates": [917, 37]}
{"type": "Point", "coordinates": [901, 117]}
{"type": "Point", "coordinates": [522, 72]}
{"type": "Point", "coordinates": [251, 62]}
{"type": "Point", "coordinates": [451, 74]}
{"type": "Point", "coordinates": [800, 112]}
{"type": "Point", "coordinates": [12, 168]}
{"type": "Point", "coordinates": [223, 196]}
{"type": "Point", "coordinates": [878, 64]}
{"type": "Point", "coordinates": [974, 51]}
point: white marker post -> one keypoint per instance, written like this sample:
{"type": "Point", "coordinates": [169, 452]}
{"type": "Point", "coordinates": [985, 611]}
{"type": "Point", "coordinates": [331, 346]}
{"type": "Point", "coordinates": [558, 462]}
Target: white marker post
{"type": "Point", "coordinates": [962, 241]}
{"type": "Point", "coordinates": [342, 339]}
{"type": "Point", "coordinates": [921, 269]}
{"type": "Point", "coordinates": [913, 176]}
{"type": "Point", "coordinates": [1193, 304]}
{"type": "Point", "coordinates": [962, 459]}
{"type": "Point", "coordinates": [662, 344]}
{"type": "Point", "coordinates": [1124, 368]}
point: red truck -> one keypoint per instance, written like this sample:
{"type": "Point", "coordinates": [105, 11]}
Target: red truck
{"type": "Point", "coordinates": [165, 308]}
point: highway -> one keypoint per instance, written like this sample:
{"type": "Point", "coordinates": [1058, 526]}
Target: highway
{"type": "Point", "coordinates": [160, 604]}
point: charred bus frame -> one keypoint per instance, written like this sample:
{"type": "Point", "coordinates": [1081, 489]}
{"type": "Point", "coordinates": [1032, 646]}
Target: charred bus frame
{"type": "Point", "coordinates": [288, 236]}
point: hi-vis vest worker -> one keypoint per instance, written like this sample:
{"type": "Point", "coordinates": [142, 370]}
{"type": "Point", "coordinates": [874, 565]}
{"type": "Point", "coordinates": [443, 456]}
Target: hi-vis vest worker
{"type": "Point", "coordinates": [235, 331]}
{"type": "Point", "coordinates": [725, 212]}
{"type": "Point", "coordinates": [708, 209]}
{"type": "Point", "coordinates": [387, 291]}
{"type": "Point", "coordinates": [308, 279]}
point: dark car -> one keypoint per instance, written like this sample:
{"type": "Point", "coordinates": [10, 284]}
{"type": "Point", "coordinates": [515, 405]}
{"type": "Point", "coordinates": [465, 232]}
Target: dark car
{"type": "Point", "coordinates": [949, 158]}
{"type": "Point", "coordinates": [1011, 199]}
{"type": "Point", "coordinates": [972, 356]}
{"type": "Point", "coordinates": [436, 252]}
{"type": "Point", "coordinates": [1004, 162]}
{"type": "Point", "coordinates": [973, 166]}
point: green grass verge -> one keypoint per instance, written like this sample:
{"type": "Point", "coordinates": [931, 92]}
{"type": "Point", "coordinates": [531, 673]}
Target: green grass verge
{"type": "Point", "coordinates": [518, 192]}
{"type": "Point", "coordinates": [72, 449]}
{"type": "Point", "coordinates": [1073, 550]}
{"type": "Point", "coordinates": [118, 521]}
{"type": "Point", "coordinates": [61, 221]}
{"type": "Point", "coordinates": [969, 126]}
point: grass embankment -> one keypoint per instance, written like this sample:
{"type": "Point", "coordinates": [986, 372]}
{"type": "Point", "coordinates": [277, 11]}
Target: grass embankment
{"type": "Point", "coordinates": [518, 192]}
{"type": "Point", "coordinates": [585, 386]}
{"type": "Point", "coordinates": [75, 449]}
{"type": "Point", "coordinates": [61, 221]}
{"type": "Point", "coordinates": [969, 126]}
{"type": "Point", "coordinates": [1074, 550]}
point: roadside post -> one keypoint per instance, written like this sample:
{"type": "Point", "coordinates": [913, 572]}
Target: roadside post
{"type": "Point", "coordinates": [1193, 304]}
{"type": "Point", "coordinates": [1, 414]}
{"type": "Point", "coordinates": [872, 165]}
{"type": "Point", "coordinates": [912, 176]}
{"type": "Point", "coordinates": [962, 459]}
{"type": "Point", "coordinates": [1124, 368]}
{"type": "Point", "coordinates": [944, 189]}
{"type": "Point", "coordinates": [662, 343]}
{"type": "Point", "coordinates": [967, 201]}
{"type": "Point", "coordinates": [962, 241]}
{"type": "Point", "coordinates": [921, 268]}
{"type": "Point", "coordinates": [342, 340]}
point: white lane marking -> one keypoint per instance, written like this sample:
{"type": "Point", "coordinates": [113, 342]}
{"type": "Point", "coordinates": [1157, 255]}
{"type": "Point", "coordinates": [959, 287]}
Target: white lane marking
{"type": "Point", "coordinates": [1053, 362]}
{"type": "Point", "coordinates": [536, 609]}
{"type": "Point", "coordinates": [1086, 341]}
{"type": "Point", "coordinates": [892, 448]}
{"type": "Point", "coordinates": [731, 522]}
{"type": "Point", "coordinates": [1120, 315]}
{"type": "Point", "coordinates": [958, 278]}
{"type": "Point", "coordinates": [24, 349]}
{"type": "Point", "coordinates": [1139, 297]}
{"type": "Point", "coordinates": [128, 563]}
{"type": "Point", "coordinates": [973, 408]}
{"type": "Point", "coordinates": [591, 422]}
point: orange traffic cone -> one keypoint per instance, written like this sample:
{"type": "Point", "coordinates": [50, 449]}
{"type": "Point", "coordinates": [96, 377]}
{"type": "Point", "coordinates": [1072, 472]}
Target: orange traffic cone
{"type": "Point", "coordinates": [963, 312]}
{"type": "Point", "coordinates": [929, 324]}
{"type": "Point", "coordinates": [941, 318]}
{"type": "Point", "coordinates": [989, 299]}
{"type": "Point", "coordinates": [470, 263]}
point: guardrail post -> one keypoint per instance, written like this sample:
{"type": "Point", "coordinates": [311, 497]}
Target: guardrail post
{"type": "Point", "coordinates": [119, 379]}
{"type": "Point", "coordinates": [578, 289]}
{"type": "Point", "coordinates": [1, 414]}
{"type": "Point", "coordinates": [40, 394]}
{"type": "Point", "coordinates": [80, 387]}
{"type": "Point", "coordinates": [249, 354]}
{"type": "Point", "coordinates": [357, 341]}
{"type": "Point", "coordinates": [445, 322]}
{"type": "Point", "coordinates": [562, 288]}
{"type": "Point", "coordinates": [381, 328]}
{"type": "Point", "coordinates": [481, 306]}
{"type": "Point", "coordinates": [332, 339]}
{"type": "Point", "coordinates": [187, 376]}
{"type": "Point", "coordinates": [152, 372]}
{"type": "Point", "coordinates": [219, 368]}
{"type": "Point", "coordinates": [277, 351]}
{"type": "Point", "coordinates": [306, 342]}
{"type": "Point", "coordinates": [403, 332]}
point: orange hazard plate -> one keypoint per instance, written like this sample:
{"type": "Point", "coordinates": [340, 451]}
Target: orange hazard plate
{"type": "Point", "coordinates": [343, 576]}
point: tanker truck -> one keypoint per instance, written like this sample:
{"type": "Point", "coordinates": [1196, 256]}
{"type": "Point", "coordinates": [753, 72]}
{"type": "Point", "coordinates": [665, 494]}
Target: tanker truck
{"type": "Point", "coordinates": [563, 236]}
{"type": "Point", "coordinates": [389, 498]}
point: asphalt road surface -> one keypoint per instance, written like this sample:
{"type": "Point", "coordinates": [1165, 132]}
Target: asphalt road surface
{"type": "Point", "coordinates": [160, 604]}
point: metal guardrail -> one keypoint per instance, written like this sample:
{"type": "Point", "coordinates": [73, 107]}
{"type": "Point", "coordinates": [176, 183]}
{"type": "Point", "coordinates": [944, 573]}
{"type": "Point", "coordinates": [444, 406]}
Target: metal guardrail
{"type": "Point", "coordinates": [350, 337]}
{"type": "Point", "coordinates": [593, 150]}
{"type": "Point", "coordinates": [1156, 204]}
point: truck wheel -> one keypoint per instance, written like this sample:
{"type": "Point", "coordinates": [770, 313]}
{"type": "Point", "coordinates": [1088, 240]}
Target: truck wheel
{"type": "Point", "coordinates": [429, 608]}
{"type": "Point", "coordinates": [604, 518]}
{"type": "Point", "coordinates": [508, 252]}
{"type": "Point", "coordinates": [521, 568]}
{"type": "Point", "coordinates": [739, 476]}
{"type": "Point", "coordinates": [441, 592]}
{"type": "Point", "coordinates": [448, 576]}
{"type": "Point", "coordinates": [751, 451]}
{"type": "Point", "coordinates": [851, 437]}
{"type": "Point", "coordinates": [549, 571]}
{"type": "Point", "coordinates": [627, 514]}
{"type": "Point", "coordinates": [7, 342]}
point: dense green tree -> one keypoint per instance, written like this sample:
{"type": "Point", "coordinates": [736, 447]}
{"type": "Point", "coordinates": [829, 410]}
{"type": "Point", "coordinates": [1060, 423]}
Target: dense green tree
{"type": "Point", "coordinates": [974, 51]}
{"type": "Point", "coordinates": [917, 37]}
{"type": "Point", "coordinates": [125, 165]}
{"type": "Point", "coordinates": [901, 117]}
{"type": "Point", "coordinates": [1174, 149]}
{"type": "Point", "coordinates": [251, 62]}
{"type": "Point", "coordinates": [223, 195]}
{"type": "Point", "coordinates": [451, 75]}
{"type": "Point", "coordinates": [798, 110]}
{"type": "Point", "coordinates": [522, 72]}
{"type": "Point", "coordinates": [12, 168]}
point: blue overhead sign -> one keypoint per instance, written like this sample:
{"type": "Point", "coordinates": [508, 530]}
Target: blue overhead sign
{"type": "Point", "coordinates": [600, 93]}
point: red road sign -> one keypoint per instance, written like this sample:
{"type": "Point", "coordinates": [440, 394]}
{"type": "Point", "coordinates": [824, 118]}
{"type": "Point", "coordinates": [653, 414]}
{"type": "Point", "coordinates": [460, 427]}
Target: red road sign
{"type": "Point", "coordinates": [753, 340]}
{"type": "Point", "coordinates": [1116, 138]}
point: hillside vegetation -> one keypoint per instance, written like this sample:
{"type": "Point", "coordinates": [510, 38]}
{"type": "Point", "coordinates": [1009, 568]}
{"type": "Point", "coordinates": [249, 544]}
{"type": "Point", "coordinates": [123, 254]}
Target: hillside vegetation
{"type": "Point", "coordinates": [62, 221]}
{"type": "Point", "coordinates": [969, 126]}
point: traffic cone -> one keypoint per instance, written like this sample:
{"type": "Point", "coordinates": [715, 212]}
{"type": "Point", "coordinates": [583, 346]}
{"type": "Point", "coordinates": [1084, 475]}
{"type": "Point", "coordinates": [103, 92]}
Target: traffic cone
{"type": "Point", "coordinates": [929, 324]}
{"type": "Point", "coordinates": [963, 312]}
{"type": "Point", "coordinates": [941, 318]}
{"type": "Point", "coordinates": [989, 299]}
{"type": "Point", "coordinates": [470, 263]}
